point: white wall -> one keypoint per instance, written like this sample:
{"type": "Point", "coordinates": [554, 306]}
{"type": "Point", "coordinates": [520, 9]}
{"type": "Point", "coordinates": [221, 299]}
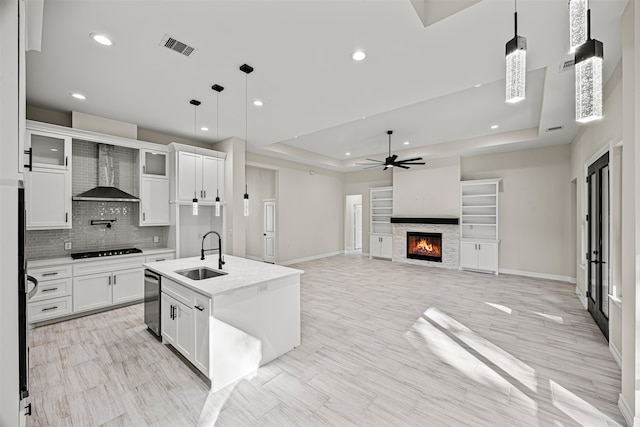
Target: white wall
{"type": "Point", "coordinates": [535, 208]}
{"type": "Point", "coordinates": [262, 183]}
{"type": "Point", "coordinates": [431, 190]}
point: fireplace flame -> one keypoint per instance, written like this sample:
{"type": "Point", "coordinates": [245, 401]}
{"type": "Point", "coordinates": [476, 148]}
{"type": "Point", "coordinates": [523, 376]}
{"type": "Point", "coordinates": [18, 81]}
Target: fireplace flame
{"type": "Point", "coordinates": [425, 247]}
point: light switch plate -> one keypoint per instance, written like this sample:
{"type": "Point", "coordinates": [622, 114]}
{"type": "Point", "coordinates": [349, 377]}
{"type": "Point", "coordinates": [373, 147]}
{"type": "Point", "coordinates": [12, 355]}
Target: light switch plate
{"type": "Point", "coordinates": [155, 239]}
{"type": "Point", "coordinates": [67, 246]}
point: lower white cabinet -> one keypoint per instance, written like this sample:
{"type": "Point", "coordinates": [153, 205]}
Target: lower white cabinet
{"type": "Point", "coordinates": [53, 295]}
{"type": "Point", "coordinates": [479, 255]}
{"type": "Point", "coordinates": [103, 283]}
{"type": "Point", "coordinates": [185, 322]}
{"type": "Point", "coordinates": [380, 246]}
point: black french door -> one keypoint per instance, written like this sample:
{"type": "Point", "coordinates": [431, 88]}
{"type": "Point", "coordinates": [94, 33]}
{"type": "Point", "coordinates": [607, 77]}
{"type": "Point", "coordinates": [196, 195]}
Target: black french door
{"type": "Point", "coordinates": [598, 247]}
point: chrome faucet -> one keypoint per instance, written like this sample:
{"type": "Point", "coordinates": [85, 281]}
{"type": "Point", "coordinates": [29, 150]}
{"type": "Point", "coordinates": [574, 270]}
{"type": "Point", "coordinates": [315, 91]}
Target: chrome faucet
{"type": "Point", "coordinates": [202, 250]}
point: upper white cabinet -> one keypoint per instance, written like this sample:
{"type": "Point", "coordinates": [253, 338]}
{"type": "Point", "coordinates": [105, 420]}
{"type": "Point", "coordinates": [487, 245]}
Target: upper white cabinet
{"type": "Point", "coordinates": [48, 181]}
{"type": "Point", "coordinates": [479, 232]}
{"type": "Point", "coordinates": [199, 175]}
{"type": "Point", "coordinates": [154, 188]}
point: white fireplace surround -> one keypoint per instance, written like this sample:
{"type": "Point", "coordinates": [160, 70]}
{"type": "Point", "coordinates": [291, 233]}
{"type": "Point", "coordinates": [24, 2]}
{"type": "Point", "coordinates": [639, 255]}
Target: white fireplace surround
{"type": "Point", "coordinates": [450, 243]}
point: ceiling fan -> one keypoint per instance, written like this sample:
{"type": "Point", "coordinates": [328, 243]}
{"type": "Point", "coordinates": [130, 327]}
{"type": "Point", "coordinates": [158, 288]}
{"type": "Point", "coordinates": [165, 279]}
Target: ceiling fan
{"type": "Point", "coordinates": [392, 161]}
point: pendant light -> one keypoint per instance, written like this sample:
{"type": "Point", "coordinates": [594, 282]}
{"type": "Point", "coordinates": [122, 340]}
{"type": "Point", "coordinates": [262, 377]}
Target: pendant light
{"type": "Point", "coordinates": [247, 69]}
{"type": "Point", "coordinates": [218, 89]}
{"type": "Point", "coordinates": [588, 60]}
{"type": "Point", "coordinates": [516, 64]}
{"type": "Point", "coordinates": [195, 104]}
{"type": "Point", "coordinates": [577, 23]}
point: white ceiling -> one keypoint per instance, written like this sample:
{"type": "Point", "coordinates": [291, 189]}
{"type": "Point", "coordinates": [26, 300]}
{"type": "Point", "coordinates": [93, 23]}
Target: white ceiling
{"type": "Point", "coordinates": [319, 104]}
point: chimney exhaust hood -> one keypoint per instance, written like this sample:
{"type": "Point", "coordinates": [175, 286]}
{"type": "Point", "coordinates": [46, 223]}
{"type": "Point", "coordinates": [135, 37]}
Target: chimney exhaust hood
{"type": "Point", "coordinates": [106, 190]}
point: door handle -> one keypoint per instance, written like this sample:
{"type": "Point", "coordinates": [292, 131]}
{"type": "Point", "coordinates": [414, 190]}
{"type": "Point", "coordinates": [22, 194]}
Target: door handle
{"type": "Point", "coordinates": [199, 307]}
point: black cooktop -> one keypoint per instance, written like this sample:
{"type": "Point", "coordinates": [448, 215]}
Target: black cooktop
{"type": "Point", "coordinates": [106, 252]}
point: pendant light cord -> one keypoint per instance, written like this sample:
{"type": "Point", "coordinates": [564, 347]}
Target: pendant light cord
{"type": "Point", "coordinates": [515, 17]}
{"type": "Point", "coordinates": [588, 21]}
{"type": "Point", "coordinates": [217, 140]}
{"type": "Point", "coordinates": [195, 121]}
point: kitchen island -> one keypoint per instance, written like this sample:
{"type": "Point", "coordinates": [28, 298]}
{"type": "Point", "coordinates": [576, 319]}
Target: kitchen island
{"type": "Point", "coordinates": [229, 325]}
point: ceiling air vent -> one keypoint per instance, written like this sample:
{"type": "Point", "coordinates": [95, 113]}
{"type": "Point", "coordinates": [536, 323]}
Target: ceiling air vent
{"type": "Point", "coordinates": [176, 45]}
{"type": "Point", "coordinates": [567, 64]}
{"type": "Point", "coordinates": [551, 129]}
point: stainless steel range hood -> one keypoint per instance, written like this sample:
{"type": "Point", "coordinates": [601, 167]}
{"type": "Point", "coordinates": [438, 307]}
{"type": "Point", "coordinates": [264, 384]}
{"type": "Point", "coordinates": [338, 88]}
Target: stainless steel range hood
{"type": "Point", "coordinates": [106, 191]}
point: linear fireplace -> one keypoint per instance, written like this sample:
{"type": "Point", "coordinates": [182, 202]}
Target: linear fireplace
{"type": "Point", "coordinates": [424, 246]}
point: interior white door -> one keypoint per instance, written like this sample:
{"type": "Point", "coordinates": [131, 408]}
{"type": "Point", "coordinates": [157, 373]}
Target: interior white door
{"type": "Point", "coordinates": [269, 231]}
{"type": "Point", "coordinates": [357, 229]}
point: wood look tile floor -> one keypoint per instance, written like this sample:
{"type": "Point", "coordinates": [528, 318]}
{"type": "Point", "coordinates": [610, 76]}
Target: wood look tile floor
{"type": "Point", "coordinates": [383, 344]}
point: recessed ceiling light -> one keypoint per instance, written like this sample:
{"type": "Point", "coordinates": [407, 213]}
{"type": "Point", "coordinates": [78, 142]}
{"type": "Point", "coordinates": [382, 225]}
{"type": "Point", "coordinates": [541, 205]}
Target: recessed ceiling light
{"type": "Point", "coordinates": [478, 85]}
{"type": "Point", "coordinates": [364, 117]}
{"type": "Point", "coordinates": [204, 128]}
{"type": "Point", "coordinates": [358, 55]}
{"type": "Point", "coordinates": [101, 39]}
{"type": "Point", "coordinates": [78, 96]}
{"type": "Point", "coordinates": [295, 136]}
{"type": "Point", "coordinates": [54, 149]}
{"type": "Point", "coordinates": [406, 143]}
{"type": "Point", "coordinates": [494, 127]}
{"type": "Point", "coordinates": [258, 103]}
{"type": "Point", "coordinates": [347, 154]}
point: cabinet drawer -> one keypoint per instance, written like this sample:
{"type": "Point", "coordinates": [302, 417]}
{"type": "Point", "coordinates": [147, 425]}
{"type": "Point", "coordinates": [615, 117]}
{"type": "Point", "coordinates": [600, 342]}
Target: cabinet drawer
{"type": "Point", "coordinates": [50, 273]}
{"type": "Point", "coordinates": [107, 265]}
{"type": "Point", "coordinates": [177, 291]}
{"type": "Point", "coordinates": [52, 289]}
{"type": "Point", "coordinates": [49, 309]}
{"type": "Point", "coordinates": [160, 257]}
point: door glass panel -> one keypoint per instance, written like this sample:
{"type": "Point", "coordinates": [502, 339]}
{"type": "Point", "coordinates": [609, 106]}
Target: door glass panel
{"type": "Point", "coordinates": [604, 257]}
{"type": "Point", "coordinates": [155, 163]}
{"type": "Point", "coordinates": [47, 150]}
{"type": "Point", "coordinates": [593, 244]}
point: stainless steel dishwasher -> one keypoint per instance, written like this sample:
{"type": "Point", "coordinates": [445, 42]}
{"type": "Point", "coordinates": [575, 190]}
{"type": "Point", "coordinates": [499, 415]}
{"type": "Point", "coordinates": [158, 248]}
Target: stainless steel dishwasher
{"type": "Point", "coordinates": [152, 283]}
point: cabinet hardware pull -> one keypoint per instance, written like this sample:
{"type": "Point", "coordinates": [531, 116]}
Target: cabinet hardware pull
{"type": "Point", "coordinates": [199, 307]}
{"type": "Point", "coordinates": [205, 194]}
{"type": "Point", "coordinates": [144, 169]}
{"type": "Point", "coordinates": [160, 259]}
{"type": "Point", "coordinates": [49, 289]}
{"type": "Point", "coordinates": [53, 273]}
{"type": "Point", "coordinates": [30, 164]}
{"type": "Point", "coordinates": [109, 280]}
{"type": "Point", "coordinates": [66, 217]}
{"type": "Point", "coordinates": [143, 216]}
{"type": "Point", "coordinates": [114, 279]}
{"type": "Point", "coordinates": [66, 160]}
{"type": "Point", "coordinates": [27, 410]}
{"type": "Point", "coordinates": [479, 246]}
{"type": "Point", "coordinates": [50, 308]}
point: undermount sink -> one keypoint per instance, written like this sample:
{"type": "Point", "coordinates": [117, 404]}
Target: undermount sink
{"type": "Point", "coordinates": [200, 273]}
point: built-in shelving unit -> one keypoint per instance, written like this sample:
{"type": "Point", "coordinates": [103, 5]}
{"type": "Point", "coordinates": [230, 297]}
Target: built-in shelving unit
{"type": "Point", "coordinates": [479, 231]}
{"type": "Point", "coordinates": [380, 228]}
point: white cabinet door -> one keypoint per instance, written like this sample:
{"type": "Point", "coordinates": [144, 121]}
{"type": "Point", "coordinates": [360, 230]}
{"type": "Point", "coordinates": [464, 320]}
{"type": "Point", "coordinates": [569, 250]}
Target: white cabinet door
{"type": "Point", "coordinates": [184, 340]}
{"type": "Point", "coordinates": [154, 201]}
{"type": "Point", "coordinates": [202, 311]}
{"type": "Point", "coordinates": [153, 164]}
{"type": "Point", "coordinates": [48, 199]}
{"type": "Point", "coordinates": [468, 254]}
{"type": "Point", "coordinates": [169, 324]}
{"type": "Point", "coordinates": [189, 175]}
{"type": "Point", "coordinates": [127, 285]}
{"type": "Point", "coordinates": [386, 247]}
{"type": "Point", "coordinates": [49, 150]}
{"type": "Point", "coordinates": [374, 246]}
{"type": "Point", "coordinates": [209, 175]}
{"type": "Point", "coordinates": [488, 256]}
{"type": "Point", "coordinates": [91, 292]}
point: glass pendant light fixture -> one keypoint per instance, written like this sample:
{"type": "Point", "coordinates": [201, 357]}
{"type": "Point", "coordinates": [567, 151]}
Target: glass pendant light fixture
{"type": "Point", "coordinates": [195, 104]}
{"type": "Point", "coordinates": [577, 23]}
{"type": "Point", "coordinates": [218, 89]}
{"type": "Point", "coordinates": [516, 64]}
{"type": "Point", "coordinates": [247, 69]}
{"type": "Point", "coordinates": [588, 60]}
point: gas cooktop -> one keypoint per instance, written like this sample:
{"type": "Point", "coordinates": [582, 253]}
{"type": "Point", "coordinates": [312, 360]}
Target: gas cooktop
{"type": "Point", "coordinates": [106, 252]}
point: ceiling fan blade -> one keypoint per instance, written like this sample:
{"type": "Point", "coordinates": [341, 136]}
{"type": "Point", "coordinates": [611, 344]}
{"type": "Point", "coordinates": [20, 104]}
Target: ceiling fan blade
{"type": "Point", "coordinates": [368, 164]}
{"type": "Point", "coordinates": [410, 163]}
{"type": "Point", "coordinates": [393, 158]}
{"type": "Point", "coordinates": [371, 167]}
{"type": "Point", "coordinates": [374, 160]}
{"type": "Point", "coordinates": [385, 167]}
{"type": "Point", "coordinates": [402, 166]}
{"type": "Point", "coordinates": [411, 160]}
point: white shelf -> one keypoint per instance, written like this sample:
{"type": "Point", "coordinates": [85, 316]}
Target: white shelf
{"type": "Point", "coordinates": [381, 203]}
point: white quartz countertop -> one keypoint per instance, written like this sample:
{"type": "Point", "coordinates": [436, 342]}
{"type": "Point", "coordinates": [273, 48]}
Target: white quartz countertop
{"type": "Point", "coordinates": [46, 262]}
{"type": "Point", "coordinates": [241, 272]}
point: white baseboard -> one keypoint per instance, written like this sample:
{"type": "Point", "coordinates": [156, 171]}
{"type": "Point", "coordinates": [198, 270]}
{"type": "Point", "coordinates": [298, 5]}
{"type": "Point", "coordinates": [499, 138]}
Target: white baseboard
{"type": "Point", "coordinates": [625, 409]}
{"type": "Point", "coordinates": [582, 298]}
{"type": "Point", "coordinates": [538, 275]}
{"type": "Point", "coordinates": [310, 258]}
{"type": "Point", "coordinates": [616, 354]}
